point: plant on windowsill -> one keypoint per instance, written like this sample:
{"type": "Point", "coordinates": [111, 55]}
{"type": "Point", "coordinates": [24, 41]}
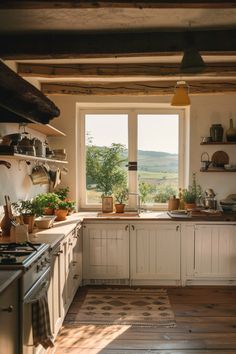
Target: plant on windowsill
{"type": "Point", "coordinates": [104, 169]}
{"type": "Point", "coordinates": [121, 196]}
{"type": "Point", "coordinates": [191, 194]}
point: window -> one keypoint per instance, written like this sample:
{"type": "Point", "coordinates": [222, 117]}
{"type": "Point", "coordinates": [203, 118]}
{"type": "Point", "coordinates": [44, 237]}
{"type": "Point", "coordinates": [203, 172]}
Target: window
{"type": "Point", "coordinates": [154, 138]}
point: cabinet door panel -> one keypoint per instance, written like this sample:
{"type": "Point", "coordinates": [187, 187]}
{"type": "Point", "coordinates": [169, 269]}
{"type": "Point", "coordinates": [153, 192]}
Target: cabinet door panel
{"type": "Point", "coordinates": [105, 251]}
{"type": "Point", "coordinates": [155, 252]}
{"type": "Point", "coordinates": [215, 251]}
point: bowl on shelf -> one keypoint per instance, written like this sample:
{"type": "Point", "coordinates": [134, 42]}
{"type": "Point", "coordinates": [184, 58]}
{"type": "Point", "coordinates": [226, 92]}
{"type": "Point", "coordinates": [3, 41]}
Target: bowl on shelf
{"type": "Point", "coordinates": [230, 167]}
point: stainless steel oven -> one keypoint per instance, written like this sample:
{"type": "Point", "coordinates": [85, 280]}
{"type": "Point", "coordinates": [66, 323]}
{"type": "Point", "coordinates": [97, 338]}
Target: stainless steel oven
{"type": "Point", "coordinates": [33, 260]}
{"type": "Point", "coordinates": [31, 296]}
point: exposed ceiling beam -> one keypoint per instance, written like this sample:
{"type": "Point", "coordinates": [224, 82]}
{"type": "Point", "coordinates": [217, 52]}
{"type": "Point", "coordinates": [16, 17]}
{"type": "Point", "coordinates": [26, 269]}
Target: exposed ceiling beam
{"type": "Point", "coordinates": [154, 70]}
{"type": "Point", "coordinates": [74, 45]}
{"type": "Point", "coordinates": [23, 99]}
{"type": "Point", "coordinates": [62, 4]}
{"type": "Point", "coordinates": [135, 88]}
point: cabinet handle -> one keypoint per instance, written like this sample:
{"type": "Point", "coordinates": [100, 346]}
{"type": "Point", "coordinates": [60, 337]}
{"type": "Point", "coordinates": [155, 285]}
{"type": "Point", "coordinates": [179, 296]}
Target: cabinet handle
{"type": "Point", "coordinates": [76, 276]}
{"type": "Point", "coordinates": [177, 228]}
{"type": "Point", "coordinates": [59, 252]}
{"type": "Point", "coordinates": [70, 243]}
{"type": "Point", "coordinates": [126, 227]}
{"type": "Point", "coordinates": [132, 227]}
{"type": "Point", "coordinates": [8, 309]}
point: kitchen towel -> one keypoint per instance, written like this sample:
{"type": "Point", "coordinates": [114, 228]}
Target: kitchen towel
{"type": "Point", "coordinates": [41, 322]}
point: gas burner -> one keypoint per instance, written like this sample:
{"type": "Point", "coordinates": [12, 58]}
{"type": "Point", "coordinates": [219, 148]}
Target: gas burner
{"type": "Point", "coordinates": [20, 254]}
{"type": "Point", "coordinates": [7, 259]}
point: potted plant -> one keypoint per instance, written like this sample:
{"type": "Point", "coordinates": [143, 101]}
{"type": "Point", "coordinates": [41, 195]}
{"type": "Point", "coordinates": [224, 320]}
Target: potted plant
{"type": "Point", "coordinates": [121, 196]}
{"type": "Point", "coordinates": [29, 209]}
{"type": "Point", "coordinates": [191, 194]}
{"type": "Point", "coordinates": [48, 202]}
{"type": "Point", "coordinates": [104, 169]}
{"type": "Point", "coordinates": [62, 193]}
{"type": "Point", "coordinates": [61, 210]}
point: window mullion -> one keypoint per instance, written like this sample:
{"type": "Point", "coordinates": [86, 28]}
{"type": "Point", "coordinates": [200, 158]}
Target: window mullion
{"type": "Point", "coordinates": [132, 156]}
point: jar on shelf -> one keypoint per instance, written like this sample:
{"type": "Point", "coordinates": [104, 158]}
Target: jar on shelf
{"type": "Point", "coordinates": [231, 132]}
{"type": "Point", "coordinates": [216, 132]}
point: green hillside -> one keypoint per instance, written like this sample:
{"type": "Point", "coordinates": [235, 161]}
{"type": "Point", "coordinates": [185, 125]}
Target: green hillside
{"type": "Point", "coordinates": [154, 161]}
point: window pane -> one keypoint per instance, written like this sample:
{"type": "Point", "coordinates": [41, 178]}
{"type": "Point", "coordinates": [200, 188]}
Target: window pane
{"type": "Point", "coordinates": [158, 142]}
{"type": "Point", "coordinates": [106, 153]}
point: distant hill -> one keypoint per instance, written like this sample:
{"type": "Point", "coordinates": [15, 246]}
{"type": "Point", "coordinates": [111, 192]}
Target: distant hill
{"type": "Point", "coordinates": [154, 161]}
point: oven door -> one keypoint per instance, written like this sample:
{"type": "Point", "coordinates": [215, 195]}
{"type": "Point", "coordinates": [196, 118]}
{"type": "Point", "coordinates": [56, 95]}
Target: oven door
{"type": "Point", "coordinates": [31, 296]}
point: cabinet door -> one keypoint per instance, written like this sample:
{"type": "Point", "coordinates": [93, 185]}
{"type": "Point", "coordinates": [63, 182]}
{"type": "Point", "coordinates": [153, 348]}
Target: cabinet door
{"type": "Point", "coordinates": [215, 251]}
{"type": "Point", "coordinates": [77, 259]}
{"type": "Point", "coordinates": [57, 306]}
{"type": "Point", "coordinates": [9, 320]}
{"type": "Point", "coordinates": [106, 251]}
{"type": "Point", "coordinates": [155, 251]}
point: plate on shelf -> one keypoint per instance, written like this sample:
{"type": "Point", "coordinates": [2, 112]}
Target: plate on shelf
{"type": "Point", "coordinates": [220, 158]}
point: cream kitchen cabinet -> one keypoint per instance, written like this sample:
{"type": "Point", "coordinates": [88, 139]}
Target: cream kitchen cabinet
{"type": "Point", "coordinates": [209, 253]}
{"type": "Point", "coordinates": [155, 253]}
{"type": "Point", "coordinates": [64, 281]}
{"type": "Point", "coordinates": [105, 251]}
{"type": "Point", "coordinates": [9, 319]}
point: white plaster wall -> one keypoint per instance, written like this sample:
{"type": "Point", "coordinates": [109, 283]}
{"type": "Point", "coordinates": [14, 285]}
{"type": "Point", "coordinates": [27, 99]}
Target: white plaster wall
{"type": "Point", "coordinates": [205, 110]}
{"type": "Point", "coordinates": [15, 181]}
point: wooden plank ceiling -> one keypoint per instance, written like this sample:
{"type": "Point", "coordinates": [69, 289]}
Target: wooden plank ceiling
{"type": "Point", "coordinates": [70, 70]}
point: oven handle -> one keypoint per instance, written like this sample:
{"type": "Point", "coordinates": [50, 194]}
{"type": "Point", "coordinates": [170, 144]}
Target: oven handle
{"type": "Point", "coordinates": [38, 288]}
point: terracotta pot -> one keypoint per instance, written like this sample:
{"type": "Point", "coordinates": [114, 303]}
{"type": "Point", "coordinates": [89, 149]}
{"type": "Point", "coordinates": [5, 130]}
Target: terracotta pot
{"type": "Point", "coordinates": [61, 214]}
{"type": "Point", "coordinates": [48, 211]}
{"type": "Point", "coordinates": [120, 208]}
{"type": "Point", "coordinates": [189, 206]}
{"type": "Point", "coordinates": [29, 220]}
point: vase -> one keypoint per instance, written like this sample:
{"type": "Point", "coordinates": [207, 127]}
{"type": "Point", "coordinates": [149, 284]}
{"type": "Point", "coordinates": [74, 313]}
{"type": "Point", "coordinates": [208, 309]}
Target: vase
{"type": "Point", "coordinates": [231, 132]}
{"type": "Point", "coordinates": [61, 214]}
{"type": "Point", "coordinates": [120, 208]}
{"type": "Point", "coordinates": [216, 132]}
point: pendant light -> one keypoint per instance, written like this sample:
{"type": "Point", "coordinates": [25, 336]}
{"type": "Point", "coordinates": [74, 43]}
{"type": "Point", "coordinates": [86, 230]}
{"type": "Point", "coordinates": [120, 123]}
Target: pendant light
{"type": "Point", "coordinates": [181, 97]}
{"type": "Point", "coordinates": [192, 61]}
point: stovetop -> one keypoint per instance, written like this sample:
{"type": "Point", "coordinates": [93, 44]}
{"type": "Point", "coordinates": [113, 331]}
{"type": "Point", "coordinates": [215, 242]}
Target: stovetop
{"type": "Point", "coordinates": [20, 255]}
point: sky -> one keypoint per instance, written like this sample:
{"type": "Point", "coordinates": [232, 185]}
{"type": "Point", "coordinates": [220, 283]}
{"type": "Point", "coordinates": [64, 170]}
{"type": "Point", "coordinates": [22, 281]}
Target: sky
{"type": "Point", "coordinates": [155, 132]}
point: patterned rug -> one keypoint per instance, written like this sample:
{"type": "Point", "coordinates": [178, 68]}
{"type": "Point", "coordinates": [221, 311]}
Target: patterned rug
{"type": "Point", "coordinates": [136, 307]}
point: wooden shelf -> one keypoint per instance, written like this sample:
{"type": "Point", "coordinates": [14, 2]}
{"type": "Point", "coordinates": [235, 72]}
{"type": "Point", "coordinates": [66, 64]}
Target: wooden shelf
{"type": "Point", "coordinates": [46, 129]}
{"type": "Point", "coordinates": [220, 143]}
{"type": "Point", "coordinates": [31, 158]}
{"type": "Point", "coordinates": [217, 170]}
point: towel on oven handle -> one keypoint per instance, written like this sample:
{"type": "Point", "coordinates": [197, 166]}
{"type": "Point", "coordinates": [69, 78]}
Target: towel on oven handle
{"type": "Point", "coordinates": [41, 320]}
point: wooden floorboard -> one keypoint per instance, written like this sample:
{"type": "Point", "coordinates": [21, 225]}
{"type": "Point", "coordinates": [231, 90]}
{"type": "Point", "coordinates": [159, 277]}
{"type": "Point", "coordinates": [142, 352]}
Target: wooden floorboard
{"type": "Point", "coordinates": [205, 324]}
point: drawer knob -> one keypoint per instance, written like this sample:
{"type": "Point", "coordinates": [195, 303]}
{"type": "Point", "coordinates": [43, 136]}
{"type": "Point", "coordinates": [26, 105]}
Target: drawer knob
{"type": "Point", "coordinates": [8, 309]}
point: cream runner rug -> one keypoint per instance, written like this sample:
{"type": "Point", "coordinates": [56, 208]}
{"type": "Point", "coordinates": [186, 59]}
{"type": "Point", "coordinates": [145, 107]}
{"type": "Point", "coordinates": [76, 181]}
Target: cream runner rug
{"type": "Point", "coordinates": [136, 307]}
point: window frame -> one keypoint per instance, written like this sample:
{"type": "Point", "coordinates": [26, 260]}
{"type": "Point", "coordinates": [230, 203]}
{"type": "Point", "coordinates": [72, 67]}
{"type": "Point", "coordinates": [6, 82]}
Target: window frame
{"type": "Point", "coordinates": [132, 111]}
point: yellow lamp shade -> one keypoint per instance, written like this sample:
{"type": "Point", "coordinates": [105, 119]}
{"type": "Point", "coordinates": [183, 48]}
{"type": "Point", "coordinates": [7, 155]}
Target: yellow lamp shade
{"type": "Point", "coordinates": [181, 97]}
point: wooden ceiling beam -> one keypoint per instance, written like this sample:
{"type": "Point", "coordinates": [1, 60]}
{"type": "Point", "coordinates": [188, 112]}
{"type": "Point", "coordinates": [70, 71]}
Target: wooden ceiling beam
{"type": "Point", "coordinates": [87, 4]}
{"type": "Point", "coordinates": [134, 70]}
{"type": "Point", "coordinates": [136, 88]}
{"type": "Point", "coordinates": [76, 45]}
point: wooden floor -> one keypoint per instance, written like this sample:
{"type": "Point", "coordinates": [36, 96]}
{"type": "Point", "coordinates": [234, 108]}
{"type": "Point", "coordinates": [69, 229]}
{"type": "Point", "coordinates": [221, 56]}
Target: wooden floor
{"type": "Point", "coordinates": [206, 323]}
